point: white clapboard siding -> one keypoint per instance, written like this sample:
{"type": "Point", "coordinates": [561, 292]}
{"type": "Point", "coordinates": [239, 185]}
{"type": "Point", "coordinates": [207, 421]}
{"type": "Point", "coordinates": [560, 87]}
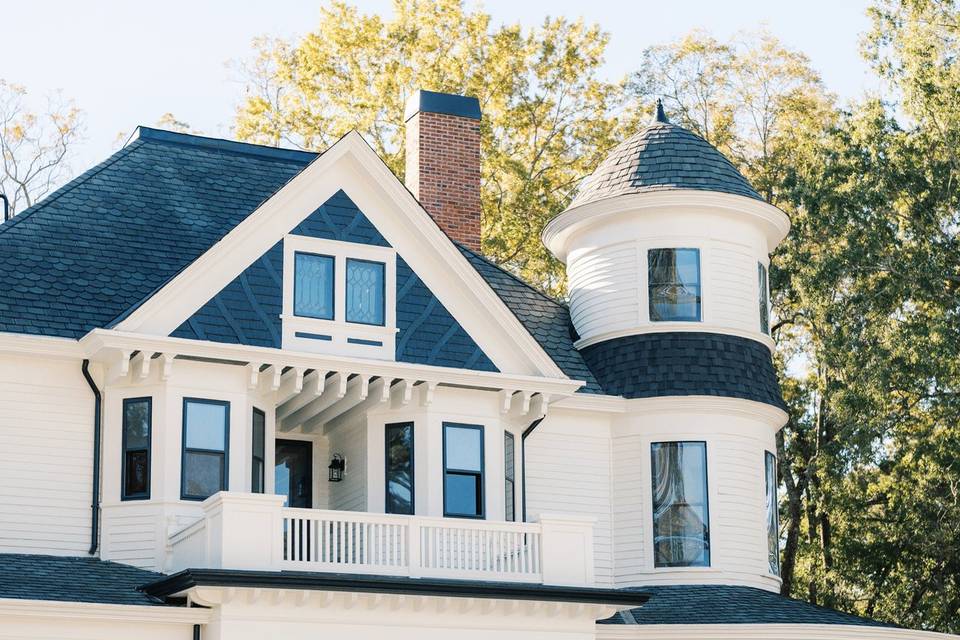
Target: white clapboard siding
{"type": "Point", "coordinates": [734, 287]}
{"type": "Point", "coordinates": [604, 289]}
{"type": "Point", "coordinates": [629, 508]}
{"type": "Point", "coordinates": [350, 441]}
{"type": "Point", "coordinates": [46, 448]}
{"type": "Point", "coordinates": [569, 473]}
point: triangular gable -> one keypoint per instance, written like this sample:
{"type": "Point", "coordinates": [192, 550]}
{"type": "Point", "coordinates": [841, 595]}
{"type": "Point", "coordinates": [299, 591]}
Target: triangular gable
{"type": "Point", "coordinates": [247, 311]}
{"type": "Point", "coordinates": [352, 166]}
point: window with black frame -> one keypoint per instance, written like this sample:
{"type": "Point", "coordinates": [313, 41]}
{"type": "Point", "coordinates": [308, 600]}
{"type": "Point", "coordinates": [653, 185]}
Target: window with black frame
{"type": "Point", "coordinates": [136, 449]}
{"type": "Point", "coordinates": [509, 478]}
{"type": "Point", "coordinates": [206, 430]}
{"type": "Point", "coordinates": [673, 284]}
{"type": "Point", "coordinates": [258, 466]}
{"type": "Point", "coordinates": [463, 470]}
{"type": "Point", "coordinates": [681, 519]}
{"type": "Point", "coordinates": [773, 524]}
{"type": "Point", "coordinates": [399, 468]}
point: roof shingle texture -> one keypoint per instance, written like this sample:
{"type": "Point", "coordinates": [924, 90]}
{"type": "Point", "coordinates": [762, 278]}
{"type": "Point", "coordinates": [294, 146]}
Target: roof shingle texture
{"type": "Point", "coordinates": [685, 364]}
{"type": "Point", "coordinates": [724, 604]}
{"type": "Point", "coordinates": [38, 577]}
{"type": "Point", "coordinates": [663, 156]}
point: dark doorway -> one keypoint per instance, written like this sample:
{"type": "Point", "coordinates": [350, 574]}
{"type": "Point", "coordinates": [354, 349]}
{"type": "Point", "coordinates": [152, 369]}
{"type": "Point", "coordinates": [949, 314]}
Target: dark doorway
{"type": "Point", "coordinates": [294, 472]}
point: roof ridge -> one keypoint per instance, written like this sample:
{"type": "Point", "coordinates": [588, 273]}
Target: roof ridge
{"type": "Point", "coordinates": [72, 184]}
{"type": "Point", "coordinates": [512, 275]}
{"type": "Point", "coordinates": [223, 144]}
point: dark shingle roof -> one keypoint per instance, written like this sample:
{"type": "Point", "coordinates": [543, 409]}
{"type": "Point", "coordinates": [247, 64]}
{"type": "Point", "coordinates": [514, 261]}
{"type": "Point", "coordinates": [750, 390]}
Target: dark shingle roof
{"type": "Point", "coordinates": [660, 157]}
{"type": "Point", "coordinates": [37, 577]}
{"type": "Point", "coordinates": [547, 320]}
{"type": "Point", "coordinates": [685, 364]}
{"type": "Point", "coordinates": [723, 604]}
{"type": "Point", "coordinates": [112, 236]}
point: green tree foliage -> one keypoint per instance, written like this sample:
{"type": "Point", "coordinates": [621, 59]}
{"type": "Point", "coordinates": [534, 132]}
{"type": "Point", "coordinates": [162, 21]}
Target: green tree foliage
{"type": "Point", "coordinates": [548, 115]}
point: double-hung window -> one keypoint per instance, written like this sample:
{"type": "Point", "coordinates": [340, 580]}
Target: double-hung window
{"type": "Point", "coordinates": [509, 478]}
{"type": "Point", "coordinates": [313, 286]}
{"type": "Point", "coordinates": [399, 468]}
{"type": "Point", "coordinates": [136, 449]}
{"type": "Point", "coordinates": [681, 519]}
{"type": "Point", "coordinates": [206, 433]}
{"type": "Point", "coordinates": [764, 298]}
{"type": "Point", "coordinates": [366, 292]}
{"type": "Point", "coordinates": [258, 463]}
{"type": "Point", "coordinates": [673, 284]}
{"type": "Point", "coordinates": [773, 525]}
{"type": "Point", "coordinates": [463, 470]}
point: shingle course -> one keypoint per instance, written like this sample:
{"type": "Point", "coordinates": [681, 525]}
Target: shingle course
{"type": "Point", "coordinates": [66, 579]}
{"type": "Point", "coordinates": [727, 604]}
{"type": "Point", "coordinates": [662, 156]}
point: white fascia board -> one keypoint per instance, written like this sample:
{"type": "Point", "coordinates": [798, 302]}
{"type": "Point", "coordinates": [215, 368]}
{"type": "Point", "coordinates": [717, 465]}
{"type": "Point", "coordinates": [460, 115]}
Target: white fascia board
{"type": "Point", "coordinates": [104, 344]}
{"type": "Point", "coordinates": [48, 346]}
{"type": "Point", "coordinates": [353, 166]}
{"type": "Point", "coordinates": [708, 405]}
{"type": "Point", "coordinates": [760, 632]}
{"type": "Point", "coordinates": [49, 609]}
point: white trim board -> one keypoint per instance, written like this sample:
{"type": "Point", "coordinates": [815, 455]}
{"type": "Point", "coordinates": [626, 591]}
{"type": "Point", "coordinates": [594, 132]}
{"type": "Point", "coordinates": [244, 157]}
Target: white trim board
{"type": "Point", "coordinates": [351, 165]}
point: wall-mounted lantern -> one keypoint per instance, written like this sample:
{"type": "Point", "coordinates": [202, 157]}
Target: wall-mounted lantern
{"type": "Point", "coordinates": [336, 468]}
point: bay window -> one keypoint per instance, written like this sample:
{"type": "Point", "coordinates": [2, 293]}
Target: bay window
{"type": "Point", "coordinates": [258, 463]}
{"type": "Point", "coordinates": [206, 432]}
{"type": "Point", "coordinates": [463, 470]}
{"type": "Point", "coordinates": [135, 444]}
{"type": "Point", "coordinates": [681, 519]}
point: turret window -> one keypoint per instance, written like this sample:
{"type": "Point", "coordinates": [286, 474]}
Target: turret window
{"type": "Point", "coordinates": [773, 525]}
{"type": "Point", "coordinates": [673, 283]}
{"type": "Point", "coordinates": [764, 298]}
{"type": "Point", "coordinates": [681, 519]}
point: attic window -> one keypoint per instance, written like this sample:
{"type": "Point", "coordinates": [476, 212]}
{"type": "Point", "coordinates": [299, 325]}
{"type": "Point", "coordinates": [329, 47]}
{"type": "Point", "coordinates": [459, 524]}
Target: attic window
{"type": "Point", "coordinates": [313, 287]}
{"type": "Point", "coordinates": [365, 291]}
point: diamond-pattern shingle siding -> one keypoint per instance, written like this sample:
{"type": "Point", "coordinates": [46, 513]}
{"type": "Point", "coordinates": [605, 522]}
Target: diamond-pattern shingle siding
{"type": "Point", "coordinates": [547, 320]}
{"type": "Point", "coordinates": [685, 364]}
{"type": "Point", "coordinates": [37, 577]}
{"type": "Point", "coordinates": [660, 157]}
{"type": "Point", "coordinates": [723, 604]}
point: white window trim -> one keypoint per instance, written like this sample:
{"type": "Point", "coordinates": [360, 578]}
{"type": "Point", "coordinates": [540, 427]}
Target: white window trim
{"type": "Point", "coordinates": [339, 330]}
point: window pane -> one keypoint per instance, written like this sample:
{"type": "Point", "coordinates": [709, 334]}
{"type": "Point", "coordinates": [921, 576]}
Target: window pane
{"type": "Point", "coordinates": [206, 426]}
{"type": "Point", "coordinates": [673, 277]}
{"type": "Point", "coordinates": [399, 452]}
{"type": "Point", "coordinates": [313, 286]}
{"type": "Point", "coordinates": [365, 292]}
{"type": "Point", "coordinates": [773, 526]}
{"type": "Point", "coordinates": [136, 476]}
{"type": "Point", "coordinates": [764, 300]}
{"type": "Point", "coordinates": [202, 474]}
{"type": "Point", "coordinates": [464, 447]}
{"type": "Point", "coordinates": [509, 474]}
{"type": "Point", "coordinates": [257, 477]}
{"type": "Point", "coordinates": [136, 424]}
{"type": "Point", "coordinates": [462, 495]}
{"type": "Point", "coordinates": [680, 511]}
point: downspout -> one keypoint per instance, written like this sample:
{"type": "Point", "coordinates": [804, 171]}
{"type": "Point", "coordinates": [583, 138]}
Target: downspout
{"type": "Point", "coordinates": [95, 503]}
{"type": "Point", "coordinates": [523, 461]}
{"type": "Point", "coordinates": [6, 206]}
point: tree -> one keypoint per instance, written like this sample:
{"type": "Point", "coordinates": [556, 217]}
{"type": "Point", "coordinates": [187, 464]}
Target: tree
{"type": "Point", "coordinates": [34, 146]}
{"type": "Point", "coordinates": [548, 117]}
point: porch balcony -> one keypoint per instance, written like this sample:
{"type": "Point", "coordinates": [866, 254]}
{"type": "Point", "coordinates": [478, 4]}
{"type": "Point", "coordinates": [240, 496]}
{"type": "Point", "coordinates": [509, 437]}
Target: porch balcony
{"type": "Point", "coordinates": [255, 532]}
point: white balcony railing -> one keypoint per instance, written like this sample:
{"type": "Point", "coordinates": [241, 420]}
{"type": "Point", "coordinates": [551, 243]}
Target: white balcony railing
{"type": "Point", "coordinates": [356, 542]}
{"type": "Point", "coordinates": [250, 531]}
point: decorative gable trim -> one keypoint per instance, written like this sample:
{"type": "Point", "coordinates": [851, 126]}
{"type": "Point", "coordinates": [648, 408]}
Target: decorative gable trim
{"type": "Point", "coordinates": [351, 165]}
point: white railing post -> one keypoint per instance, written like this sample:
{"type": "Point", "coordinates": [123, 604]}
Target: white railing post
{"type": "Point", "coordinates": [244, 531]}
{"type": "Point", "coordinates": [566, 550]}
{"type": "Point", "coordinates": [414, 545]}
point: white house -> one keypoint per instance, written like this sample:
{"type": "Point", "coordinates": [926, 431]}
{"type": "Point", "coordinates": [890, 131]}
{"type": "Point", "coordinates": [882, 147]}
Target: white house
{"type": "Point", "coordinates": [248, 392]}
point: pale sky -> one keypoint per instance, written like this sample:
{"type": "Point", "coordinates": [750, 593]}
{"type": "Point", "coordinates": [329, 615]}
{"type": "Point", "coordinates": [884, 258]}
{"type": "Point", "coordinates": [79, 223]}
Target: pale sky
{"type": "Point", "coordinates": [128, 62]}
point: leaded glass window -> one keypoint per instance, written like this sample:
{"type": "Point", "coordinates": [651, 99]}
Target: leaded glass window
{"type": "Point", "coordinates": [673, 283]}
{"type": "Point", "coordinates": [365, 292]}
{"type": "Point", "coordinates": [681, 520]}
{"type": "Point", "coordinates": [313, 286]}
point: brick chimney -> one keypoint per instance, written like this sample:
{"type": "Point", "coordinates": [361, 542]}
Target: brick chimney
{"type": "Point", "coordinates": [443, 161]}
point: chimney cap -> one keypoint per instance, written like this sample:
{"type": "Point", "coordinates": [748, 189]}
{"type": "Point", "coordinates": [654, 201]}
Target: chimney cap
{"type": "Point", "coordinates": [423, 101]}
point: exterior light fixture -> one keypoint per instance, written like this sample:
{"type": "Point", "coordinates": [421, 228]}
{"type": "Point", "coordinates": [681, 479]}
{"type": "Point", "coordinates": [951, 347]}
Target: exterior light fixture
{"type": "Point", "coordinates": [336, 468]}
